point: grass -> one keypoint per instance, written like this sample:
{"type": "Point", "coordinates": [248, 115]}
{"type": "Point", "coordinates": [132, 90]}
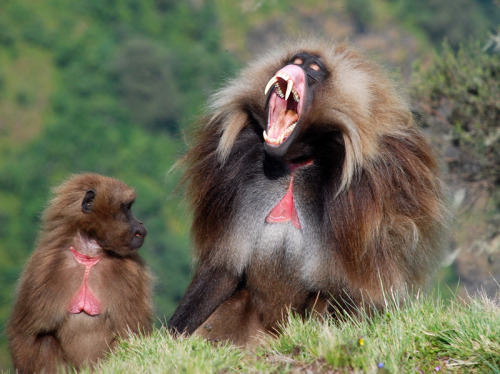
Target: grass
{"type": "Point", "coordinates": [424, 335]}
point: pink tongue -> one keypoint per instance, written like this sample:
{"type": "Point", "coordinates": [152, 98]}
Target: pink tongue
{"type": "Point", "coordinates": [280, 123]}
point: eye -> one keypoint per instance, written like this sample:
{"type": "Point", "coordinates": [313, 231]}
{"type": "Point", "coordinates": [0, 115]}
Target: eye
{"type": "Point", "coordinates": [88, 201]}
{"type": "Point", "coordinates": [315, 67]}
{"type": "Point", "coordinates": [127, 206]}
{"type": "Point", "coordinates": [298, 61]}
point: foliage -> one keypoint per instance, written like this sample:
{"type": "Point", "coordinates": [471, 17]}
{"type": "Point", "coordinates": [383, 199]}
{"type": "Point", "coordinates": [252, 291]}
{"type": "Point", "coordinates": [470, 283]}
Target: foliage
{"type": "Point", "coordinates": [422, 335]}
{"type": "Point", "coordinates": [458, 95]}
{"type": "Point", "coordinates": [453, 20]}
{"type": "Point", "coordinates": [361, 12]}
{"type": "Point", "coordinates": [147, 84]}
{"type": "Point", "coordinates": [91, 87]}
{"type": "Point", "coordinates": [457, 99]}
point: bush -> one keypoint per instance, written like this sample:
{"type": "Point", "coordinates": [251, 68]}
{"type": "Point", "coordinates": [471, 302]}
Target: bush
{"type": "Point", "coordinates": [147, 85]}
{"type": "Point", "coordinates": [458, 97]}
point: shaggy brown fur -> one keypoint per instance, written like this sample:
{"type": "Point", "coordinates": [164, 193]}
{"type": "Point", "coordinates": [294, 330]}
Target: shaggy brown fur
{"type": "Point", "coordinates": [370, 210]}
{"type": "Point", "coordinates": [89, 219]}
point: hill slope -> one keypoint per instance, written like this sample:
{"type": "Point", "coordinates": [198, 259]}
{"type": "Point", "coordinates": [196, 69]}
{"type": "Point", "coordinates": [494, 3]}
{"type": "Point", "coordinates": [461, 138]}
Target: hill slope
{"type": "Point", "coordinates": [423, 336]}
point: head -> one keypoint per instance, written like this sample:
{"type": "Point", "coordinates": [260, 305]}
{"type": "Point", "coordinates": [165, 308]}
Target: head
{"type": "Point", "coordinates": [290, 93]}
{"type": "Point", "coordinates": [308, 92]}
{"type": "Point", "coordinates": [100, 209]}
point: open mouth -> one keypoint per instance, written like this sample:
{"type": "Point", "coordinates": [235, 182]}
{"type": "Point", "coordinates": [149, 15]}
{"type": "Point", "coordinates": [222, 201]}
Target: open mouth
{"type": "Point", "coordinates": [285, 104]}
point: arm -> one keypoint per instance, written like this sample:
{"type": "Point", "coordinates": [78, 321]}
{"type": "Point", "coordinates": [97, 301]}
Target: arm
{"type": "Point", "coordinates": [210, 287]}
{"type": "Point", "coordinates": [33, 323]}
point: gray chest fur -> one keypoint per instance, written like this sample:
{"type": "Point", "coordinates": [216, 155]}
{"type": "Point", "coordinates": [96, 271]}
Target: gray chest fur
{"type": "Point", "coordinates": [253, 240]}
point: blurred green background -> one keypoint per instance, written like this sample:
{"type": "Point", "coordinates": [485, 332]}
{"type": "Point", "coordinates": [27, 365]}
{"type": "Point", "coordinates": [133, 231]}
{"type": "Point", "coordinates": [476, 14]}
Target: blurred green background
{"type": "Point", "coordinates": [113, 86]}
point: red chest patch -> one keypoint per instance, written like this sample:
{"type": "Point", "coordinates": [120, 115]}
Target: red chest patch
{"type": "Point", "coordinates": [84, 300]}
{"type": "Point", "coordinates": [285, 210]}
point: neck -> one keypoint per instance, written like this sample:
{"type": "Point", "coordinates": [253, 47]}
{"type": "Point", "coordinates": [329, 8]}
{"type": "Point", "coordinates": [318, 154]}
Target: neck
{"type": "Point", "coordinates": [85, 259]}
{"type": "Point", "coordinates": [86, 246]}
{"type": "Point", "coordinates": [294, 166]}
{"type": "Point", "coordinates": [285, 210]}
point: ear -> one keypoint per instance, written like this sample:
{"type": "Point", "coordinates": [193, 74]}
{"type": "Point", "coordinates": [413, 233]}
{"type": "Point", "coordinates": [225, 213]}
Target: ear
{"type": "Point", "coordinates": [87, 202]}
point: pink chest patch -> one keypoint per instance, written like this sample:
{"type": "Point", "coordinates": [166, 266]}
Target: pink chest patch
{"type": "Point", "coordinates": [84, 300]}
{"type": "Point", "coordinates": [285, 210]}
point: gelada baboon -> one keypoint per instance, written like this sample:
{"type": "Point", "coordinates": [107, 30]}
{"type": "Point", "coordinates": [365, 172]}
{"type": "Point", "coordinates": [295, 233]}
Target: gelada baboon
{"type": "Point", "coordinates": [85, 284]}
{"type": "Point", "coordinates": [310, 186]}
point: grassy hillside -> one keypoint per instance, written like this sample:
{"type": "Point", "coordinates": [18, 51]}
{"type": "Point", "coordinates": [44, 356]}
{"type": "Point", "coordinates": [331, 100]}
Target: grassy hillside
{"type": "Point", "coordinates": [422, 336]}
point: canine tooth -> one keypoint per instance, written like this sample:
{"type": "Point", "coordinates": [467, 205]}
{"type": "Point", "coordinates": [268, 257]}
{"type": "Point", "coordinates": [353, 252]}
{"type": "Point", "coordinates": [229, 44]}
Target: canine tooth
{"type": "Point", "coordinates": [272, 81]}
{"type": "Point", "coordinates": [268, 139]}
{"type": "Point", "coordinates": [280, 139]}
{"type": "Point", "coordinates": [288, 89]}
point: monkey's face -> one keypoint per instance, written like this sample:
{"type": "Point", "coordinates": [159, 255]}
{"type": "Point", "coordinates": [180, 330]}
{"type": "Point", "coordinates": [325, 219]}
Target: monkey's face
{"type": "Point", "coordinates": [291, 91]}
{"type": "Point", "coordinates": [108, 218]}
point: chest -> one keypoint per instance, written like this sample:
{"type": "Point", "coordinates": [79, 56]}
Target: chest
{"type": "Point", "coordinates": [278, 219]}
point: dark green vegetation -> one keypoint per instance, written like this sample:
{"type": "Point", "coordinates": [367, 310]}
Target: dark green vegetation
{"type": "Point", "coordinates": [106, 87]}
{"type": "Point", "coordinates": [458, 105]}
{"type": "Point", "coordinates": [459, 96]}
{"type": "Point", "coordinates": [112, 87]}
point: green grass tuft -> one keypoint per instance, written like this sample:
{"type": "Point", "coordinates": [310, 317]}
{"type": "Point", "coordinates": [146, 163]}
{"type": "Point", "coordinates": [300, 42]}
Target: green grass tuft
{"type": "Point", "coordinates": [423, 335]}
